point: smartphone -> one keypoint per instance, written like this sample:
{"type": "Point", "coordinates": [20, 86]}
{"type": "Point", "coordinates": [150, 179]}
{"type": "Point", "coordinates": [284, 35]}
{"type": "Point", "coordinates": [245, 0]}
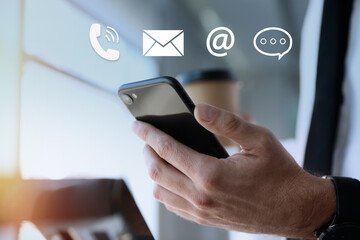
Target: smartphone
{"type": "Point", "coordinates": [164, 103]}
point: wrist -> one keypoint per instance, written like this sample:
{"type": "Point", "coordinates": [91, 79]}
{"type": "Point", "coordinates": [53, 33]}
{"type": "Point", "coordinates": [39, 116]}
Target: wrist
{"type": "Point", "coordinates": [322, 205]}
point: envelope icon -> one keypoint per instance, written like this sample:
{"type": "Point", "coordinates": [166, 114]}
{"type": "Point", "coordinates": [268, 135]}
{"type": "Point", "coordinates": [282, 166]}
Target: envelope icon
{"type": "Point", "coordinates": [163, 43]}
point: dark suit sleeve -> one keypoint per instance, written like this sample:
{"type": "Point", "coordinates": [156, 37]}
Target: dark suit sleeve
{"type": "Point", "coordinates": [347, 199]}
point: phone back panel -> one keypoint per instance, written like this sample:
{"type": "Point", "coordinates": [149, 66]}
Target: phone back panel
{"type": "Point", "coordinates": [163, 103]}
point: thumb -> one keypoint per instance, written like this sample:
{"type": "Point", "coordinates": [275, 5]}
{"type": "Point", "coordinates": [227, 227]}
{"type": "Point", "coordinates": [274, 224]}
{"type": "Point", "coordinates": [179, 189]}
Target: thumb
{"type": "Point", "coordinates": [226, 124]}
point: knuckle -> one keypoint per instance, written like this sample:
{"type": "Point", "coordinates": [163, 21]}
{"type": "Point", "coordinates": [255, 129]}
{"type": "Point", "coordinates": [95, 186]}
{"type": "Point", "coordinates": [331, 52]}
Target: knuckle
{"type": "Point", "coordinates": [230, 123]}
{"type": "Point", "coordinates": [202, 215]}
{"type": "Point", "coordinates": [164, 148]}
{"type": "Point", "coordinates": [208, 182]}
{"type": "Point", "coordinates": [266, 137]}
{"type": "Point", "coordinates": [157, 192]}
{"type": "Point", "coordinates": [267, 132]}
{"type": "Point", "coordinates": [271, 137]}
{"type": "Point", "coordinates": [262, 139]}
{"type": "Point", "coordinates": [155, 172]}
{"type": "Point", "coordinates": [208, 178]}
{"type": "Point", "coordinates": [202, 203]}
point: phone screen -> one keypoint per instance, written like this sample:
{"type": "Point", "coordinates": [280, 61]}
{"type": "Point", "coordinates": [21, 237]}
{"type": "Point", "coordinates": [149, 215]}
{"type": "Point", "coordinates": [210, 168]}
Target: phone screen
{"type": "Point", "coordinates": [160, 105]}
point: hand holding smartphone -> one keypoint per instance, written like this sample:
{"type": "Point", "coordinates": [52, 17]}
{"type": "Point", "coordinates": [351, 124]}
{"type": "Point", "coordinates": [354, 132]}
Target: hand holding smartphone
{"type": "Point", "coordinates": [164, 103]}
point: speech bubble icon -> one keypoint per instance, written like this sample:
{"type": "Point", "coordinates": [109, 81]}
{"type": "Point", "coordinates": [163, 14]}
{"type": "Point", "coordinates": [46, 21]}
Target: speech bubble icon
{"type": "Point", "coordinates": [273, 41]}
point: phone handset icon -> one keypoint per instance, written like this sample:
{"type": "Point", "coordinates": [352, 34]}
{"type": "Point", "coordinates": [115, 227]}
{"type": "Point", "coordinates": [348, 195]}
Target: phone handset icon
{"type": "Point", "coordinates": [109, 54]}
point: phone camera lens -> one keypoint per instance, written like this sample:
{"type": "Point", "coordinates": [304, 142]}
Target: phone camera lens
{"type": "Point", "coordinates": [127, 99]}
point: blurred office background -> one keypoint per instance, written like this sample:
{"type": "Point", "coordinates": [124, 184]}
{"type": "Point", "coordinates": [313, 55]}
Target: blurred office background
{"type": "Point", "coordinates": [59, 111]}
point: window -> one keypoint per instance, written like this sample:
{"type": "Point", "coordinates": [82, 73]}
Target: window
{"type": "Point", "coordinates": [72, 123]}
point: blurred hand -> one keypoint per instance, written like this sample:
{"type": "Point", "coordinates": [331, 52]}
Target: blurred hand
{"type": "Point", "coordinates": [261, 189]}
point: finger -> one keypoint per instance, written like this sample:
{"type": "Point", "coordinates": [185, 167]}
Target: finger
{"type": "Point", "coordinates": [187, 210]}
{"type": "Point", "coordinates": [207, 221]}
{"type": "Point", "coordinates": [188, 216]}
{"type": "Point", "coordinates": [166, 175]}
{"type": "Point", "coordinates": [224, 123]}
{"type": "Point", "coordinates": [177, 154]}
{"type": "Point", "coordinates": [169, 198]}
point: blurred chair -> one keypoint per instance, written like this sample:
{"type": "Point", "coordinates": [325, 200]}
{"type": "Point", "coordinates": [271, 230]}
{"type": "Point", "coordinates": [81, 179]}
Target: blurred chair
{"type": "Point", "coordinates": [96, 209]}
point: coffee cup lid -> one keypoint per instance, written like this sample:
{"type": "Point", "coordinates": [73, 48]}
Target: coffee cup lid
{"type": "Point", "coordinates": [206, 75]}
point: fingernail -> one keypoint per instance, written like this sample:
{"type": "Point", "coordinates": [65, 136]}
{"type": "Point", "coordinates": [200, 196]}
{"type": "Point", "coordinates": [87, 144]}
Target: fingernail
{"type": "Point", "coordinates": [207, 112]}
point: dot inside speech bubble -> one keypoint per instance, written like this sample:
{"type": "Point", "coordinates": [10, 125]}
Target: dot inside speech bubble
{"type": "Point", "coordinates": [261, 41]}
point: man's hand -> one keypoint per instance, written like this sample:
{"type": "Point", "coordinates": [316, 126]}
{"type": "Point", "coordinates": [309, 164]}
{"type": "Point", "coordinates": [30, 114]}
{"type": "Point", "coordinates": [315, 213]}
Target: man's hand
{"type": "Point", "coordinates": [261, 189]}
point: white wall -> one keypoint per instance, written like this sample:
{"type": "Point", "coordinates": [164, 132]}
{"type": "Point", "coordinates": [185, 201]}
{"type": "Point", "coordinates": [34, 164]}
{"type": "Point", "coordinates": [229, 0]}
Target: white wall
{"type": "Point", "coordinates": [9, 85]}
